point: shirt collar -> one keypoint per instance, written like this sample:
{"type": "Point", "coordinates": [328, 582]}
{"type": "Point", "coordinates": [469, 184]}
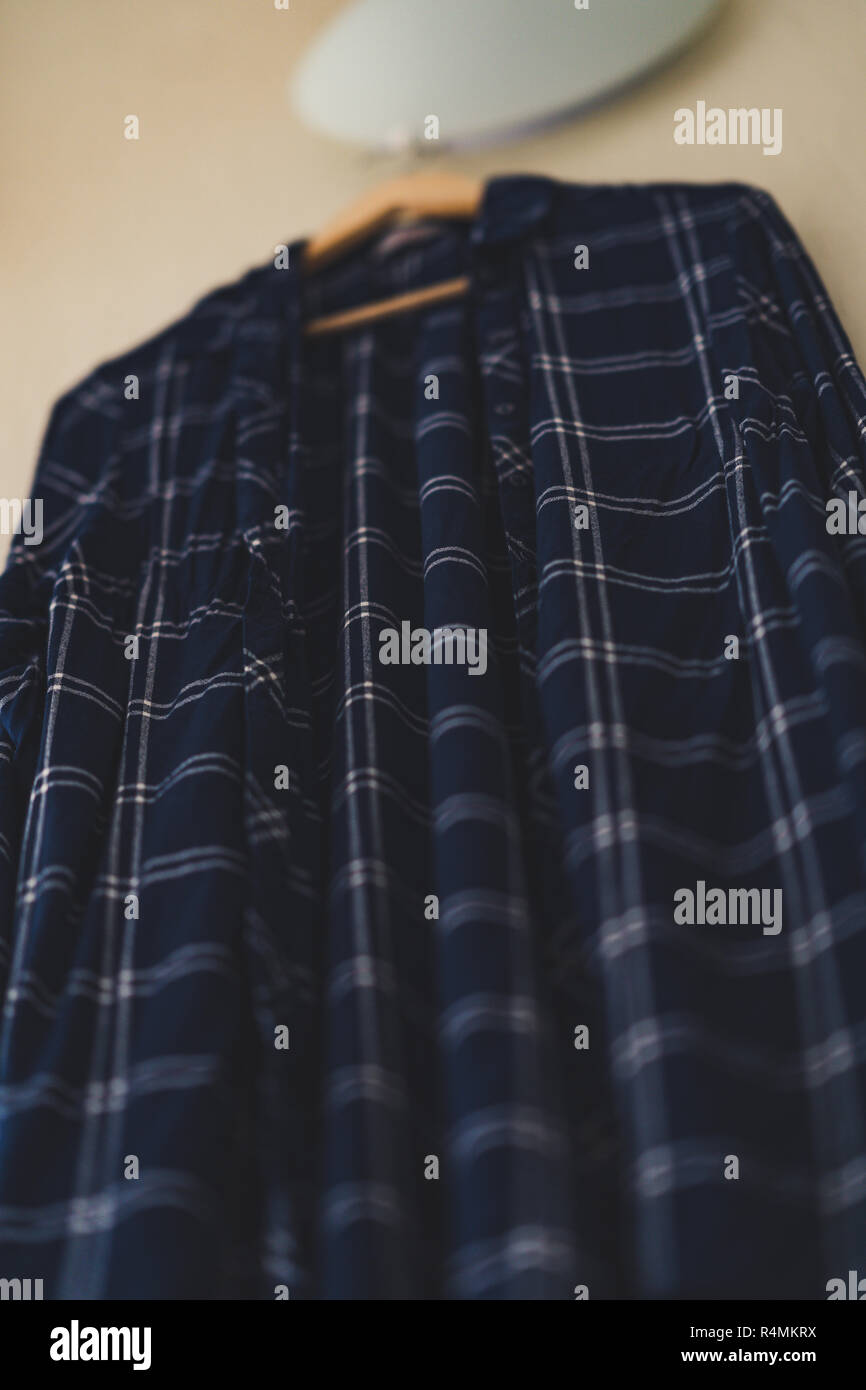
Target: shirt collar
{"type": "Point", "coordinates": [512, 206]}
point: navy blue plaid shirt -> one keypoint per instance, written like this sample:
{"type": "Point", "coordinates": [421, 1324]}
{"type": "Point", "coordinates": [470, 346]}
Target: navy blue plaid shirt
{"type": "Point", "coordinates": [341, 979]}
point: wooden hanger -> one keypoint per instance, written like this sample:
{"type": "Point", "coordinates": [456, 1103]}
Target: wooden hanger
{"type": "Point", "coordinates": [410, 198]}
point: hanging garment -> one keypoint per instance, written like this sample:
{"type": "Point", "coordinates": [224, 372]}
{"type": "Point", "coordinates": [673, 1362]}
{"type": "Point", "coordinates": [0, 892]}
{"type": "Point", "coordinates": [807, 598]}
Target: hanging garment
{"type": "Point", "coordinates": [433, 812]}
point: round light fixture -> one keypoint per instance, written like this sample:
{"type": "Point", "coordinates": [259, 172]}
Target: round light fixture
{"type": "Point", "coordinates": [403, 74]}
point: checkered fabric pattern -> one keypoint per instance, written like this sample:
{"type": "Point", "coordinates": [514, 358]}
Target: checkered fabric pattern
{"type": "Point", "coordinates": [238, 823]}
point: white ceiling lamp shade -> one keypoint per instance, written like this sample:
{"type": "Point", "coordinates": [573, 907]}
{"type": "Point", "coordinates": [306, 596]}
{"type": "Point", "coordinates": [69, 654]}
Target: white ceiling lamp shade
{"type": "Point", "coordinates": [485, 70]}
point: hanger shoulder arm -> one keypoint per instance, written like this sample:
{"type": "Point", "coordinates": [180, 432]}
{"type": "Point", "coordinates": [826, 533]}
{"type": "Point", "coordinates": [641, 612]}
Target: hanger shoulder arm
{"type": "Point", "coordinates": [442, 195]}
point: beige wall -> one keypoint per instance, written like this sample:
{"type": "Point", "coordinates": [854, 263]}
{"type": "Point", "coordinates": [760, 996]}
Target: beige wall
{"type": "Point", "coordinates": [104, 240]}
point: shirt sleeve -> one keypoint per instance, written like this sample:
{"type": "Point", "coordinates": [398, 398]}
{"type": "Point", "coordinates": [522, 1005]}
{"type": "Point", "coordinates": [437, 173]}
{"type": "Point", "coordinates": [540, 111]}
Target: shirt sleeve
{"type": "Point", "coordinates": [43, 571]}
